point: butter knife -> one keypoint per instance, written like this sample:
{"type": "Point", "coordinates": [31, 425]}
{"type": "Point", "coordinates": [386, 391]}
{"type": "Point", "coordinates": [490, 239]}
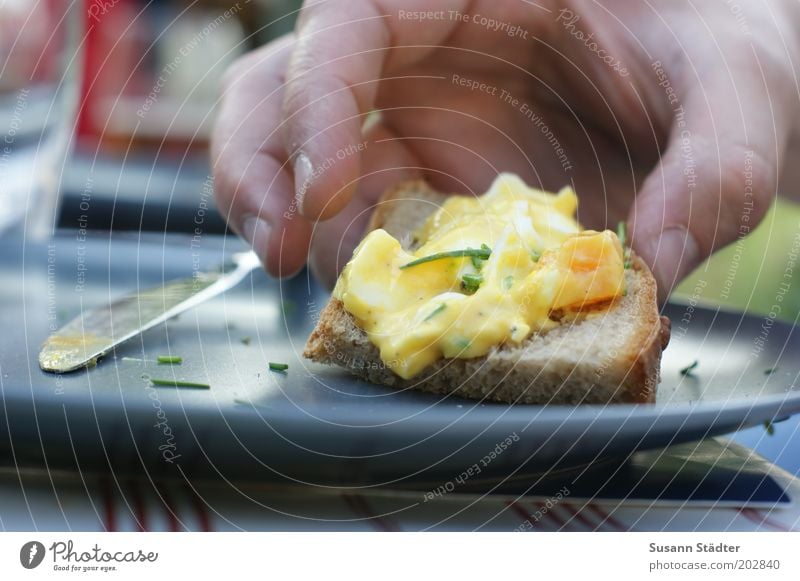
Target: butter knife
{"type": "Point", "coordinates": [91, 335]}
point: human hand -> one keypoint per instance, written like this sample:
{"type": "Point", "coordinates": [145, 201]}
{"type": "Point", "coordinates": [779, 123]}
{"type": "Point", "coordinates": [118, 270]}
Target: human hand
{"type": "Point", "coordinates": [671, 115]}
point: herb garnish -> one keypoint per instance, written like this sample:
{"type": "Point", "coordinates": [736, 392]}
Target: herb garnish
{"type": "Point", "coordinates": [689, 369]}
{"type": "Point", "coordinates": [169, 360]}
{"type": "Point", "coordinates": [470, 283]}
{"type": "Point", "coordinates": [435, 312]}
{"type": "Point", "coordinates": [622, 234]}
{"type": "Point", "coordinates": [770, 371]}
{"type": "Point", "coordinates": [769, 427]}
{"type": "Point", "coordinates": [278, 366]}
{"type": "Point", "coordinates": [508, 282]}
{"type": "Point", "coordinates": [535, 255]}
{"type": "Point", "coordinates": [483, 253]}
{"type": "Point", "coordinates": [177, 383]}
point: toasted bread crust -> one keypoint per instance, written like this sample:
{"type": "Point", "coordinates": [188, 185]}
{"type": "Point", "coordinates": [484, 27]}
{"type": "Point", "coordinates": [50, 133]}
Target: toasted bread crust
{"type": "Point", "coordinates": [606, 356]}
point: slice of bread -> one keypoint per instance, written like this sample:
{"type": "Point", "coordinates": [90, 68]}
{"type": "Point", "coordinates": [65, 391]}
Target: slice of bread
{"type": "Point", "coordinates": [608, 354]}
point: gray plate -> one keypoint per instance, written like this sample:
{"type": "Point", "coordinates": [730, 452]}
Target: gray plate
{"type": "Point", "coordinates": [316, 424]}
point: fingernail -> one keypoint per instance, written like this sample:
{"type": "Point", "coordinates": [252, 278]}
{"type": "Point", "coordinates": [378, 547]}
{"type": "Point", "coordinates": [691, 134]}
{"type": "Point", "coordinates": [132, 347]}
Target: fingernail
{"type": "Point", "coordinates": [256, 231]}
{"type": "Point", "coordinates": [676, 255]}
{"type": "Point", "coordinates": [303, 175]}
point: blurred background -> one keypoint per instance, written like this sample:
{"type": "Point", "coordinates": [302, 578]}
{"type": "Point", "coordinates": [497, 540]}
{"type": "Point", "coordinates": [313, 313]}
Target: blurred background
{"type": "Point", "coordinates": [148, 94]}
{"type": "Point", "coordinates": [149, 89]}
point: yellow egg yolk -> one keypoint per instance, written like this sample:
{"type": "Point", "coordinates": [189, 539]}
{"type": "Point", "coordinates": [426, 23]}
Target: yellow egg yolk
{"type": "Point", "coordinates": [519, 255]}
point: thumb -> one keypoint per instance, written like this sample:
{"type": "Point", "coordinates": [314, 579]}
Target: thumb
{"type": "Point", "coordinates": [712, 185]}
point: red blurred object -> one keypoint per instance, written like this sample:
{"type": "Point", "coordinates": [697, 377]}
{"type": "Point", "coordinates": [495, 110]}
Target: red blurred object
{"type": "Point", "coordinates": [113, 40]}
{"type": "Point", "coordinates": [151, 71]}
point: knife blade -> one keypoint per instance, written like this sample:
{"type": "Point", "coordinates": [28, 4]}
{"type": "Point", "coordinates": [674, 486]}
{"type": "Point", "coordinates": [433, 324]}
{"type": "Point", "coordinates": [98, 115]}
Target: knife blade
{"type": "Point", "coordinates": [94, 333]}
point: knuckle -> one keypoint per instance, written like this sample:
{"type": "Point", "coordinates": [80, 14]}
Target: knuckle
{"type": "Point", "coordinates": [310, 107]}
{"type": "Point", "coordinates": [746, 187]}
{"type": "Point", "coordinates": [751, 174]}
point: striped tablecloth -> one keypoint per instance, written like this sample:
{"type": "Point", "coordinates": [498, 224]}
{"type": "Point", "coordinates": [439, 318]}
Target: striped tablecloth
{"type": "Point", "coordinates": [38, 500]}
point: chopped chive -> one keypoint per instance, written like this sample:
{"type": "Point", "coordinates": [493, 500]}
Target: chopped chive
{"type": "Point", "coordinates": [535, 255]}
{"type": "Point", "coordinates": [689, 369]}
{"type": "Point", "coordinates": [461, 343]}
{"type": "Point", "coordinates": [435, 312]}
{"type": "Point", "coordinates": [288, 307]}
{"type": "Point", "coordinates": [169, 359]}
{"type": "Point", "coordinates": [483, 253]}
{"type": "Point", "coordinates": [177, 383]}
{"type": "Point", "coordinates": [508, 282]}
{"type": "Point", "coordinates": [622, 234]}
{"type": "Point", "coordinates": [477, 262]}
{"type": "Point", "coordinates": [769, 427]}
{"type": "Point", "coordinates": [470, 283]}
{"type": "Point", "coordinates": [278, 366]}
{"type": "Point", "coordinates": [770, 371]}
{"type": "Point", "coordinates": [245, 340]}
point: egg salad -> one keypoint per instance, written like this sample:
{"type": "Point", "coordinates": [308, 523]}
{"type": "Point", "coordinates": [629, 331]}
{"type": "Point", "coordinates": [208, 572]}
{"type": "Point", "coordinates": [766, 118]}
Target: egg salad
{"type": "Point", "coordinates": [484, 271]}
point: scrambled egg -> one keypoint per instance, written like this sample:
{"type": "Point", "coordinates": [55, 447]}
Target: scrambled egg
{"type": "Point", "coordinates": [487, 270]}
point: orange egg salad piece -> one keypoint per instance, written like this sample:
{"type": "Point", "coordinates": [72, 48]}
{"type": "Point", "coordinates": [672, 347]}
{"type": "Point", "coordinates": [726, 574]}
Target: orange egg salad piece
{"type": "Point", "coordinates": [488, 270]}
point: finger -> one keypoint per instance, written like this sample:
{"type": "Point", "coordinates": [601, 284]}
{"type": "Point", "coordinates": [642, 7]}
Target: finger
{"type": "Point", "coordinates": [253, 183]}
{"type": "Point", "coordinates": [716, 178]}
{"type": "Point", "coordinates": [385, 161]}
{"type": "Point", "coordinates": [341, 54]}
